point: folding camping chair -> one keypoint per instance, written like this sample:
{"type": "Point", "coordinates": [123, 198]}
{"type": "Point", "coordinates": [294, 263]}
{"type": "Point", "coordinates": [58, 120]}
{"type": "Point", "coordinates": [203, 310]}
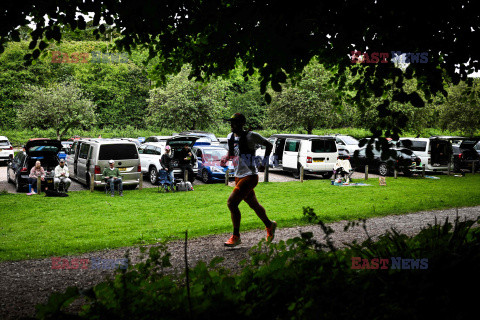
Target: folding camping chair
{"type": "Point", "coordinates": [164, 181]}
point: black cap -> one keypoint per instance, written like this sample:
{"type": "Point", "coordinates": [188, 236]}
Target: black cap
{"type": "Point", "coordinates": [237, 117]}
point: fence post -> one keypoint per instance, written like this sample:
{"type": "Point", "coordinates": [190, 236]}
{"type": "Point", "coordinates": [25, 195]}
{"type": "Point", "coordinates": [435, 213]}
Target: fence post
{"type": "Point", "coordinates": [227, 178]}
{"type": "Point", "coordinates": [366, 172]}
{"type": "Point", "coordinates": [140, 181]}
{"type": "Point", "coordinates": [301, 173]}
{"type": "Point", "coordinates": [449, 169]}
{"type": "Point", "coordinates": [423, 171]}
{"type": "Point", "coordinates": [92, 182]}
{"type": "Point", "coordinates": [395, 173]}
{"type": "Point", "coordinates": [39, 185]}
{"type": "Point", "coordinates": [265, 177]}
{"type": "Point", "coordinates": [473, 167]}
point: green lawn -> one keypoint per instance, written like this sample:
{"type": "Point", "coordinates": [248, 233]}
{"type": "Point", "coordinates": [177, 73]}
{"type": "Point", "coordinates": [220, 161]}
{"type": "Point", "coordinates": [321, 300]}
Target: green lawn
{"type": "Point", "coordinates": [36, 227]}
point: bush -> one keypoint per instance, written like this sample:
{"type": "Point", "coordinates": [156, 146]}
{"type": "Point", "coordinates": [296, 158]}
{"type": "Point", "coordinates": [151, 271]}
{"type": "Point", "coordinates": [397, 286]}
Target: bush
{"type": "Point", "coordinates": [299, 279]}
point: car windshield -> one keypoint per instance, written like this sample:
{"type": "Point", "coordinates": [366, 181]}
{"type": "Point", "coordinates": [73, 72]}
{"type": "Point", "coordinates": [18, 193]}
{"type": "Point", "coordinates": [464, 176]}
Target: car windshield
{"type": "Point", "coordinates": [350, 140]}
{"type": "Point", "coordinates": [414, 145]}
{"type": "Point", "coordinates": [4, 143]}
{"type": "Point", "coordinates": [214, 155]}
{"type": "Point", "coordinates": [43, 149]}
{"type": "Point", "coordinates": [118, 152]}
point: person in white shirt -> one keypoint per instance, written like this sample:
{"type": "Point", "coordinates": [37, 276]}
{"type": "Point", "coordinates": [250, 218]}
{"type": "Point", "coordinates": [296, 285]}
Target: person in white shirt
{"type": "Point", "coordinates": [62, 175]}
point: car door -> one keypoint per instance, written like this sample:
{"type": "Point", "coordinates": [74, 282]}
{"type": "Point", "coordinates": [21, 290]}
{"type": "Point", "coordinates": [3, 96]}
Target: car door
{"type": "Point", "coordinates": [290, 153]}
{"type": "Point", "coordinates": [82, 162]}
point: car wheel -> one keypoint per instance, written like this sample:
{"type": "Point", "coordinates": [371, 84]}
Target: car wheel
{"type": "Point", "coordinates": [407, 173]}
{"type": "Point", "coordinates": [205, 176]}
{"type": "Point", "coordinates": [8, 178]}
{"type": "Point", "coordinates": [153, 175]}
{"type": "Point", "coordinates": [383, 169]}
{"type": "Point", "coordinates": [18, 188]}
{"type": "Point", "coordinates": [296, 173]}
{"type": "Point", "coordinates": [327, 175]}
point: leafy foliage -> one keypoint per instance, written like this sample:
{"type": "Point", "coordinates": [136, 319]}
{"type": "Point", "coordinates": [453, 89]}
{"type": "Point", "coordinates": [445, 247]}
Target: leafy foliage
{"type": "Point", "coordinates": [301, 278]}
{"type": "Point", "coordinates": [59, 106]}
{"type": "Point", "coordinates": [184, 104]}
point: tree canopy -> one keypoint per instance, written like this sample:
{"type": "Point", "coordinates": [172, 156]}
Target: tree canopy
{"type": "Point", "coordinates": [279, 39]}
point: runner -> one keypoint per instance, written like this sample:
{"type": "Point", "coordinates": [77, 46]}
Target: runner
{"type": "Point", "coordinates": [241, 150]}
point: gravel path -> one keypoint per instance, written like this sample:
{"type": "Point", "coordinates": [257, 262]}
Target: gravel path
{"type": "Point", "coordinates": [26, 283]}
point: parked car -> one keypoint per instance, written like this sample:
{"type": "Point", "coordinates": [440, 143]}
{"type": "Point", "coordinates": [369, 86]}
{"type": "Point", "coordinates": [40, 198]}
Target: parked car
{"type": "Point", "coordinates": [44, 150]}
{"type": "Point", "coordinates": [156, 138]}
{"type": "Point", "coordinates": [223, 142]}
{"type": "Point", "coordinates": [209, 169]}
{"type": "Point", "coordinates": [434, 152]}
{"type": "Point", "coordinates": [465, 155]}
{"type": "Point", "coordinates": [6, 149]}
{"type": "Point", "coordinates": [66, 150]}
{"type": "Point", "coordinates": [404, 160]}
{"type": "Point", "coordinates": [316, 154]}
{"type": "Point", "coordinates": [347, 143]}
{"type": "Point", "coordinates": [211, 136]}
{"type": "Point", "coordinates": [89, 157]}
{"type": "Point", "coordinates": [477, 147]}
{"type": "Point", "coordinates": [151, 152]}
{"type": "Point", "coordinates": [344, 155]}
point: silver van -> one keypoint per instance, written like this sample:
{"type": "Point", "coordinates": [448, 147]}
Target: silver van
{"type": "Point", "coordinates": [89, 157]}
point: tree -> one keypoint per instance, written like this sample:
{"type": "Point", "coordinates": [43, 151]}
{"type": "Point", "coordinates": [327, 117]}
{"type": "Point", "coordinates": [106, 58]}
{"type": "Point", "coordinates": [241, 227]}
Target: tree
{"type": "Point", "coordinates": [308, 104]}
{"type": "Point", "coordinates": [461, 111]}
{"type": "Point", "coordinates": [59, 106]}
{"type": "Point", "coordinates": [185, 104]}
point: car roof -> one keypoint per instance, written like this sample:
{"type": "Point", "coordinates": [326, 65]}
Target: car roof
{"type": "Point", "coordinates": [3, 138]}
{"type": "Point", "coordinates": [155, 144]}
{"type": "Point", "coordinates": [416, 139]}
{"type": "Point", "coordinates": [300, 136]}
{"type": "Point", "coordinates": [106, 141]}
{"type": "Point", "coordinates": [210, 147]}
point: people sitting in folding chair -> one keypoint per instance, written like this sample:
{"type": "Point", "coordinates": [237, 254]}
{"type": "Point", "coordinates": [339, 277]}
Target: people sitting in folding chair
{"type": "Point", "coordinates": [343, 169]}
{"type": "Point", "coordinates": [166, 162]}
{"type": "Point", "coordinates": [62, 176]}
{"type": "Point", "coordinates": [112, 177]}
{"type": "Point", "coordinates": [165, 181]}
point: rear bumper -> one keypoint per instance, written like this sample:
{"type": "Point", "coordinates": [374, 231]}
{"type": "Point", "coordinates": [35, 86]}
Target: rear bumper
{"type": "Point", "coordinates": [127, 179]}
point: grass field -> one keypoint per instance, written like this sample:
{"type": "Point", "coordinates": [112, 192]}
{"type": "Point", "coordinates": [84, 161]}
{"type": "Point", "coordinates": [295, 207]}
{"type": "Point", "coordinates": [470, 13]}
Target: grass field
{"type": "Point", "coordinates": [36, 226]}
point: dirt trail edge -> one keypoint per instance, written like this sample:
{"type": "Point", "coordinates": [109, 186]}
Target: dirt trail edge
{"type": "Point", "coordinates": [26, 283]}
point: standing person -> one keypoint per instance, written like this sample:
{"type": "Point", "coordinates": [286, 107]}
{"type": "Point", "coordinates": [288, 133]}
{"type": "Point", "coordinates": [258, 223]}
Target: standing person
{"type": "Point", "coordinates": [62, 175]}
{"type": "Point", "coordinates": [36, 171]}
{"type": "Point", "coordinates": [112, 177]}
{"type": "Point", "coordinates": [241, 148]}
{"type": "Point", "coordinates": [186, 160]}
{"type": "Point", "coordinates": [166, 162]}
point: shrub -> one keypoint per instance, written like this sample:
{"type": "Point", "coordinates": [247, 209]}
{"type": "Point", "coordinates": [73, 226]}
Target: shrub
{"type": "Point", "coordinates": [301, 278]}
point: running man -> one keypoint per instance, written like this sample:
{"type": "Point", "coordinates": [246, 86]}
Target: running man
{"type": "Point", "coordinates": [241, 149]}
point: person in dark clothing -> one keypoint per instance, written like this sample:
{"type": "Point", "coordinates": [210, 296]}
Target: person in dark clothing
{"type": "Point", "coordinates": [166, 162]}
{"type": "Point", "coordinates": [186, 160]}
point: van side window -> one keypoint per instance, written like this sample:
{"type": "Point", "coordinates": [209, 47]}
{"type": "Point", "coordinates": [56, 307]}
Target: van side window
{"type": "Point", "coordinates": [83, 151]}
{"type": "Point", "coordinates": [292, 145]}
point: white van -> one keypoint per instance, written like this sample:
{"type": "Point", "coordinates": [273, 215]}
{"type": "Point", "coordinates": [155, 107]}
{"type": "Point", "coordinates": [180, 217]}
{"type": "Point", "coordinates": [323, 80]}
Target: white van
{"type": "Point", "coordinates": [90, 157]}
{"type": "Point", "coordinates": [316, 154]}
{"type": "Point", "coordinates": [434, 152]}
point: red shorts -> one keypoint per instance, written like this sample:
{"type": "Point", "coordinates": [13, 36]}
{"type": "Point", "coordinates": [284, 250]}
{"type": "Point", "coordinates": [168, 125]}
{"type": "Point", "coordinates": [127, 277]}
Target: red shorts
{"type": "Point", "coordinates": [244, 186]}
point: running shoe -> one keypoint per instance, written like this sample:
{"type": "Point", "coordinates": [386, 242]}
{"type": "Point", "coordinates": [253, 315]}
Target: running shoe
{"type": "Point", "coordinates": [233, 241]}
{"type": "Point", "coordinates": [271, 231]}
